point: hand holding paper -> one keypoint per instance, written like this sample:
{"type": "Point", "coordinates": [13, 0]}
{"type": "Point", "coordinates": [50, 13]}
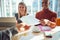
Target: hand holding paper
{"type": "Point", "coordinates": [30, 20]}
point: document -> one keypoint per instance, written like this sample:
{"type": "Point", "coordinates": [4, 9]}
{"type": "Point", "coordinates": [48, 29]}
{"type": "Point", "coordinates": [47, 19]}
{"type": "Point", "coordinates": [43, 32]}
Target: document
{"type": "Point", "coordinates": [30, 20]}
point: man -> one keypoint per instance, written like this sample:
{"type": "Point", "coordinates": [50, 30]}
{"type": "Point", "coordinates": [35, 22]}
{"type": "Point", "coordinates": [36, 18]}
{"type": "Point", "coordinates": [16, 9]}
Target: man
{"type": "Point", "coordinates": [46, 14]}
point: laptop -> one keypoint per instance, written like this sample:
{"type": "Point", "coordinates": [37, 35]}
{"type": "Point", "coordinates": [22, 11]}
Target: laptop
{"type": "Point", "coordinates": [7, 22]}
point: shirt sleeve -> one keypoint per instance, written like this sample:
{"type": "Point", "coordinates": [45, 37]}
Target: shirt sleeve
{"type": "Point", "coordinates": [37, 16]}
{"type": "Point", "coordinates": [54, 16]}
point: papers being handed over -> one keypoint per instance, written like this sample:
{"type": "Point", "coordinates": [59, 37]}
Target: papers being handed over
{"type": "Point", "coordinates": [30, 20]}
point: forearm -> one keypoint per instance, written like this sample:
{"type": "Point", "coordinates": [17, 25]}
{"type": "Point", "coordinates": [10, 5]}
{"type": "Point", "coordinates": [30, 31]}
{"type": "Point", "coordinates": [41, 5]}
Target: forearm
{"type": "Point", "coordinates": [51, 24]}
{"type": "Point", "coordinates": [48, 23]}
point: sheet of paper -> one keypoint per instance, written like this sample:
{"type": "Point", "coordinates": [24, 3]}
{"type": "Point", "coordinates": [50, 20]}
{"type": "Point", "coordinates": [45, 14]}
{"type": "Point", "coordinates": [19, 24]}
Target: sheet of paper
{"type": "Point", "coordinates": [30, 20]}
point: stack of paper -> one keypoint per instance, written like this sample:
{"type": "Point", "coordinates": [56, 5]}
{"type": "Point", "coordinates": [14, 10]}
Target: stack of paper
{"type": "Point", "coordinates": [30, 20]}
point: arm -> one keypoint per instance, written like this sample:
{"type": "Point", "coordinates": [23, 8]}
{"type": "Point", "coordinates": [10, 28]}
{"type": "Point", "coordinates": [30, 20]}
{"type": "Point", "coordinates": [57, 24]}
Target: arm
{"type": "Point", "coordinates": [48, 23]}
{"type": "Point", "coordinates": [53, 21]}
{"type": "Point", "coordinates": [51, 24]}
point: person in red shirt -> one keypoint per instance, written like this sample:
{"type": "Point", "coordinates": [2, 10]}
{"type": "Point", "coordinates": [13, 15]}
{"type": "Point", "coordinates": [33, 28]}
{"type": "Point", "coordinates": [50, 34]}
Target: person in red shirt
{"type": "Point", "coordinates": [47, 14]}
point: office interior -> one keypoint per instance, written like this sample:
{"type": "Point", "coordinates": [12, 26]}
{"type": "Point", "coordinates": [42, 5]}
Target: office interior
{"type": "Point", "coordinates": [8, 8]}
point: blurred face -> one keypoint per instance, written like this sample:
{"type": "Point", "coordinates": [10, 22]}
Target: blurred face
{"type": "Point", "coordinates": [45, 4]}
{"type": "Point", "coordinates": [21, 9]}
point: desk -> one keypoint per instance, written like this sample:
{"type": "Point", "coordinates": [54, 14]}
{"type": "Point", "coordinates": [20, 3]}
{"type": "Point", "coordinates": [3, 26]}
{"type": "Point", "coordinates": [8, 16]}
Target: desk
{"type": "Point", "coordinates": [30, 36]}
{"type": "Point", "coordinates": [33, 36]}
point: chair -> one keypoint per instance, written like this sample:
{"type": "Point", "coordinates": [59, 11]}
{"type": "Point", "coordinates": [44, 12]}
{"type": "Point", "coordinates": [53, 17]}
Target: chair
{"type": "Point", "coordinates": [58, 21]}
{"type": "Point", "coordinates": [7, 22]}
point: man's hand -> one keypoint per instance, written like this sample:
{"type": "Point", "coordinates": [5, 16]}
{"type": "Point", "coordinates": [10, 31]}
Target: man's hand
{"type": "Point", "coordinates": [51, 24]}
{"type": "Point", "coordinates": [44, 22]}
{"type": "Point", "coordinates": [48, 23]}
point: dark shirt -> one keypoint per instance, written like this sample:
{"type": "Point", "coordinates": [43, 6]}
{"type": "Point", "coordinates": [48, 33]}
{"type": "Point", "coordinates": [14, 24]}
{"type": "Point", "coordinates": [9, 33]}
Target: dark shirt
{"type": "Point", "coordinates": [46, 14]}
{"type": "Point", "coordinates": [16, 15]}
{"type": "Point", "coordinates": [18, 20]}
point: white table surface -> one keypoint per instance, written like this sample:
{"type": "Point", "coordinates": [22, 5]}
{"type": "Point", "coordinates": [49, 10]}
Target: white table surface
{"type": "Point", "coordinates": [55, 35]}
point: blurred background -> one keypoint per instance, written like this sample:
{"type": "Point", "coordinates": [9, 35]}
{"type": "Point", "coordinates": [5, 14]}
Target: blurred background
{"type": "Point", "coordinates": [8, 8]}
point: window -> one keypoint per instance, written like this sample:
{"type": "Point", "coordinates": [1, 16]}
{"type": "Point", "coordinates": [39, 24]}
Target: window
{"type": "Point", "coordinates": [10, 7]}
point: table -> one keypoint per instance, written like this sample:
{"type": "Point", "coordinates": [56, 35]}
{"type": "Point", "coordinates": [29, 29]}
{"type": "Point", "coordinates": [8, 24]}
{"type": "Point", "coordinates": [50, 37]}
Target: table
{"type": "Point", "coordinates": [40, 36]}
{"type": "Point", "coordinates": [33, 36]}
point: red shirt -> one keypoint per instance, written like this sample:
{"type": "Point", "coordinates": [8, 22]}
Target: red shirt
{"type": "Point", "coordinates": [46, 14]}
